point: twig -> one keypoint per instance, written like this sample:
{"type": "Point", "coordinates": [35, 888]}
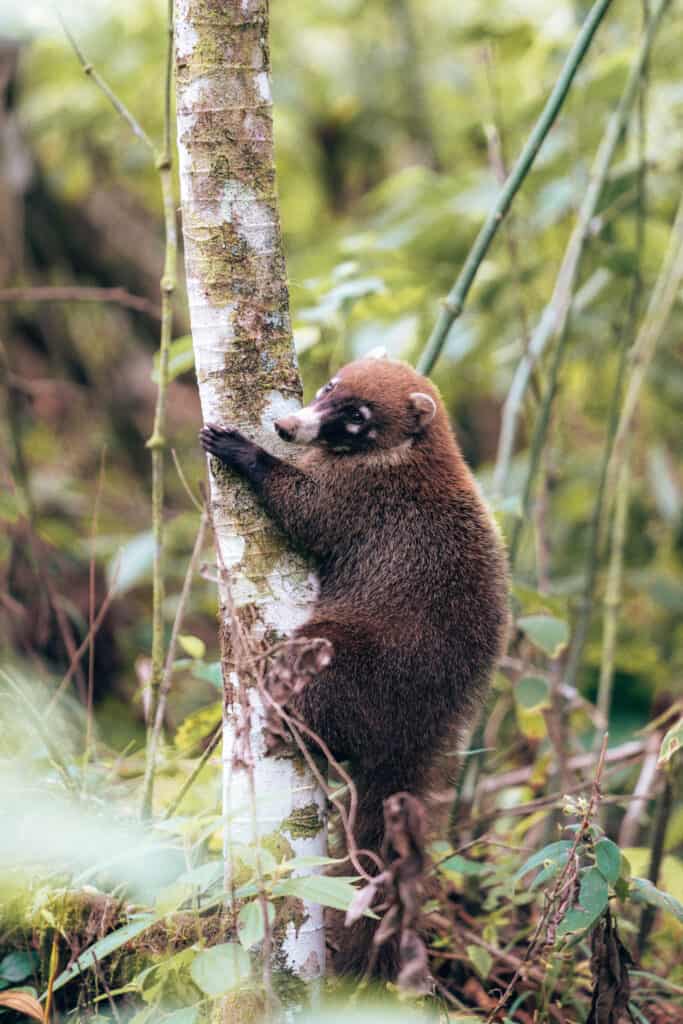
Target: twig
{"type": "Point", "coordinates": [157, 441]}
{"type": "Point", "coordinates": [627, 329]}
{"type": "Point", "coordinates": [92, 73]}
{"type": "Point", "coordinates": [101, 975]}
{"type": "Point", "coordinates": [613, 600]}
{"type": "Point", "coordinates": [643, 349]}
{"type": "Point", "coordinates": [183, 479]}
{"type": "Point", "coordinates": [189, 781]}
{"type": "Point", "coordinates": [615, 755]}
{"type": "Point", "coordinates": [560, 882]}
{"type": "Point", "coordinates": [632, 820]}
{"type": "Point", "coordinates": [554, 321]}
{"type": "Point", "coordinates": [665, 806]}
{"type": "Point", "coordinates": [80, 651]}
{"type": "Point", "coordinates": [78, 293]}
{"type": "Point", "coordinates": [454, 304]}
{"type": "Point", "coordinates": [91, 612]}
{"type": "Point", "coordinates": [165, 687]}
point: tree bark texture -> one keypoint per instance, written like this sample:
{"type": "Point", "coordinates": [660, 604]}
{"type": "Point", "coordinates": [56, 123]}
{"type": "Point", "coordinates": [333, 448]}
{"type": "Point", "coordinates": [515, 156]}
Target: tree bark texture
{"type": "Point", "coordinates": [248, 376]}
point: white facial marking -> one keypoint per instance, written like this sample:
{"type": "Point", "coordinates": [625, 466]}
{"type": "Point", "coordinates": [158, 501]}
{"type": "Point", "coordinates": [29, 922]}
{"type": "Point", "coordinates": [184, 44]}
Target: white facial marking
{"type": "Point", "coordinates": [365, 412]}
{"type": "Point", "coordinates": [372, 434]}
{"type": "Point", "coordinates": [353, 428]}
{"type": "Point", "coordinates": [308, 426]}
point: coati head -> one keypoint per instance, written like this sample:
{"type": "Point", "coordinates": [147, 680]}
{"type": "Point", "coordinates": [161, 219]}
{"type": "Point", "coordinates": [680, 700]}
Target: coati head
{"type": "Point", "coordinates": [368, 405]}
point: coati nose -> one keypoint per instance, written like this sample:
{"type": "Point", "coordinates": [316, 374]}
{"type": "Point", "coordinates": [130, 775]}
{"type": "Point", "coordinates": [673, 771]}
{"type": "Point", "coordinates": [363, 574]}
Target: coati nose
{"type": "Point", "coordinates": [286, 427]}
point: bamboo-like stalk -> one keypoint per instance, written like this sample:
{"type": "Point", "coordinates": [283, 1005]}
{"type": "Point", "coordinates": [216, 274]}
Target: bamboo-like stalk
{"type": "Point", "coordinates": [643, 349]}
{"type": "Point", "coordinates": [159, 711]}
{"type": "Point", "coordinates": [612, 602]}
{"type": "Point", "coordinates": [554, 320]}
{"type": "Point", "coordinates": [157, 441]}
{"type": "Point", "coordinates": [627, 329]}
{"type": "Point", "coordinates": [455, 301]}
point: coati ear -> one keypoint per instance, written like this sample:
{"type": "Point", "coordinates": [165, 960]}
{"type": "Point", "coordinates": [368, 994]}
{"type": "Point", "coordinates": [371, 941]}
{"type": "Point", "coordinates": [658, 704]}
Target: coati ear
{"type": "Point", "coordinates": [424, 409]}
{"type": "Point", "coordinates": [378, 352]}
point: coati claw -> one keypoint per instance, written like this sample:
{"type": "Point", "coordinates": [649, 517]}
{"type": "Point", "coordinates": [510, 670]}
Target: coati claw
{"type": "Point", "coordinates": [223, 442]}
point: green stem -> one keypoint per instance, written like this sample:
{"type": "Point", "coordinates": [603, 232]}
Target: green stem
{"type": "Point", "coordinates": [190, 780]}
{"type": "Point", "coordinates": [628, 328]}
{"type": "Point", "coordinates": [612, 603]}
{"type": "Point", "coordinates": [157, 442]}
{"type": "Point", "coordinates": [554, 320]}
{"type": "Point", "coordinates": [455, 301]}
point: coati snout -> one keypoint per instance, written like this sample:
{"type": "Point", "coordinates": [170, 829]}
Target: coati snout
{"type": "Point", "coordinates": [413, 582]}
{"type": "Point", "coordinates": [353, 415]}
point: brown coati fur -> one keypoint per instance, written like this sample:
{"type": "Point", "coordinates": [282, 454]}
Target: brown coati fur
{"type": "Point", "coordinates": [413, 581]}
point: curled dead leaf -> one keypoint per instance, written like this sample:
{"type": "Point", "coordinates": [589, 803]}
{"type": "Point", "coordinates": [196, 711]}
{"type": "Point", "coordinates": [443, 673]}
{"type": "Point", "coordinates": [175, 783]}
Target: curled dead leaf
{"type": "Point", "coordinates": [22, 1002]}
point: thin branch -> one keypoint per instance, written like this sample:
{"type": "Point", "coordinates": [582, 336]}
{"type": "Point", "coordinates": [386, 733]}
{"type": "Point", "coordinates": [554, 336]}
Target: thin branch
{"type": "Point", "coordinates": [190, 780]}
{"type": "Point", "coordinates": [613, 600]}
{"type": "Point", "coordinates": [643, 349]}
{"type": "Point", "coordinates": [78, 293]}
{"type": "Point", "coordinates": [165, 687]}
{"type": "Point", "coordinates": [92, 73]}
{"type": "Point", "coordinates": [454, 304]}
{"type": "Point", "coordinates": [157, 441]}
{"type": "Point", "coordinates": [80, 651]}
{"type": "Point", "coordinates": [554, 321]}
{"type": "Point", "coordinates": [632, 820]}
{"type": "Point", "coordinates": [91, 611]}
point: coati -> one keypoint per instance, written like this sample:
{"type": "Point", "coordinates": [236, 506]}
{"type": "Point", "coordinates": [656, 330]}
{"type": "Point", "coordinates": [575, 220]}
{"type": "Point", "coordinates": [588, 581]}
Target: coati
{"type": "Point", "coordinates": [413, 582]}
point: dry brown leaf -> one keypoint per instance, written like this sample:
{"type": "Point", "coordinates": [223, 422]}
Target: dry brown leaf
{"type": "Point", "coordinates": [22, 1002]}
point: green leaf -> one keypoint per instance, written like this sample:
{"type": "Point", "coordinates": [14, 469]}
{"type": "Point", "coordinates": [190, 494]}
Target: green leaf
{"type": "Point", "coordinates": [221, 968]}
{"type": "Point", "coordinates": [192, 645]}
{"type": "Point", "coordinates": [188, 1015]}
{"type": "Point", "coordinates": [481, 960]}
{"type": "Point", "coordinates": [180, 358]}
{"type": "Point", "coordinates": [594, 891]}
{"type": "Point", "coordinates": [103, 947]}
{"type": "Point", "coordinates": [329, 892]}
{"type": "Point", "coordinates": [532, 692]}
{"type": "Point", "coordinates": [310, 861]}
{"type": "Point", "coordinates": [250, 927]}
{"type": "Point", "coordinates": [549, 872]}
{"type": "Point", "coordinates": [575, 920]}
{"type": "Point", "coordinates": [463, 866]}
{"type": "Point", "coordinates": [608, 859]}
{"type": "Point", "coordinates": [133, 563]}
{"type": "Point", "coordinates": [672, 742]}
{"type": "Point", "coordinates": [643, 891]}
{"type": "Point", "coordinates": [210, 672]}
{"type": "Point", "coordinates": [16, 966]}
{"type": "Point", "coordinates": [546, 632]}
{"type": "Point", "coordinates": [550, 853]}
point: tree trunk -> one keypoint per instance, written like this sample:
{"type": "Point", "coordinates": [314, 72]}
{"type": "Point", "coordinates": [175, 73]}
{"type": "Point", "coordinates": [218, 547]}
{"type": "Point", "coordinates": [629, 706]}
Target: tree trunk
{"type": "Point", "coordinates": [247, 376]}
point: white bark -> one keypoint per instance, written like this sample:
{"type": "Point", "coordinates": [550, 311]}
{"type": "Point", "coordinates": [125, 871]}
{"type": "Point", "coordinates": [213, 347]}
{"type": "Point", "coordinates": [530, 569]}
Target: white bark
{"type": "Point", "coordinates": [247, 376]}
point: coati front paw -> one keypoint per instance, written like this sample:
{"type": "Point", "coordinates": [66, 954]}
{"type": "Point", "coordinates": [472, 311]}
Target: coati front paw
{"type": "Point", "coordinates": [226, 443]}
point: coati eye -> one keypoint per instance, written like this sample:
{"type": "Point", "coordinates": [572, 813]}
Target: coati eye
{"type": "Point", "coordinates": [355, 416]}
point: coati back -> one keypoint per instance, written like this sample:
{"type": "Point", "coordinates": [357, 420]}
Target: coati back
{"type": "Point", "coordinates": [412, 577]}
